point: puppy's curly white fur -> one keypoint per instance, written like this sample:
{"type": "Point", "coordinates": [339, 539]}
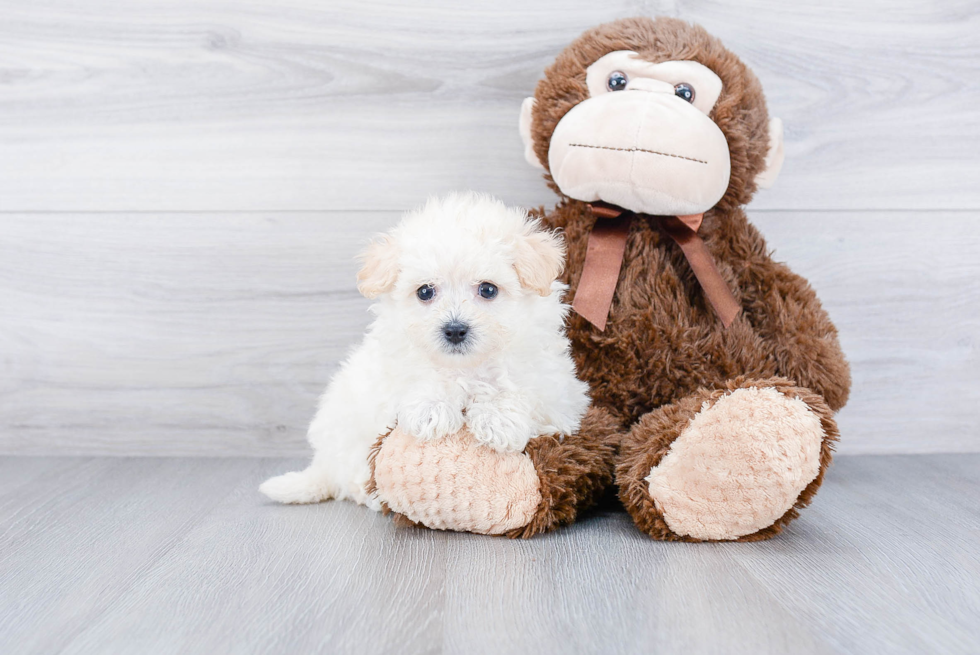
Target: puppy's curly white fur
{"type": "Point", "coordinates": [468, 330]}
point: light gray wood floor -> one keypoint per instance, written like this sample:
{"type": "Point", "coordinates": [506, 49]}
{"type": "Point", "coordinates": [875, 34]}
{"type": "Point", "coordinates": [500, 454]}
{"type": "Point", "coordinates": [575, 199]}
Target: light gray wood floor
{"type": "Point", "coordinates": [165, 555]}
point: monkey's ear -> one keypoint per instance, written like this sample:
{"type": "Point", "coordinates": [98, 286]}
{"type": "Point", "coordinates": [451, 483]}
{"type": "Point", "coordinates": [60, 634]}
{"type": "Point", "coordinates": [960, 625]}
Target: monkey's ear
{"type": "Point", "coordinates": [539, 260]}
{"type": "Point", "coordinates": [380, 269]}
{"type": "Point", "coordinates": [525, 128]}
{"type": "Point", "coordinates": [774, 158]}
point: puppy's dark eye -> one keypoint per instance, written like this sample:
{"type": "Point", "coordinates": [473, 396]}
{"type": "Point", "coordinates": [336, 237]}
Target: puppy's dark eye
{"type": "Point", "coordinates": [684, 91]}
{"type": "Point", "coordinates": [488, 290]}
{"type": "Point", "coordinates": [616, 81]}
{"type": "Point", "coordinates": [426, 292]}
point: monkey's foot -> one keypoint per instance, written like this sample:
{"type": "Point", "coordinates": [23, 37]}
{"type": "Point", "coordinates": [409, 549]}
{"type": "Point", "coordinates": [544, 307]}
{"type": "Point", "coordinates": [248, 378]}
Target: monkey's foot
{"type": "Point", "coordinates": [732, 464]}
{"type": "Point", "coordinates": [458, 484]}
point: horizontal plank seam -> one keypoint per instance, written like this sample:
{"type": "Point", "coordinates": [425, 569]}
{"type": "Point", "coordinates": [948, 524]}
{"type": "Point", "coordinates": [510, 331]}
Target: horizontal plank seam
{"type": "Point", "coordinates": [335, 210]}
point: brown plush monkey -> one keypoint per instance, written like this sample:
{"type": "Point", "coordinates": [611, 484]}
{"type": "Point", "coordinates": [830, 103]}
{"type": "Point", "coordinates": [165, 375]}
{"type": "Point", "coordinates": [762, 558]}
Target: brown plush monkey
{"type": "Point", "coordinates": [714, 370]}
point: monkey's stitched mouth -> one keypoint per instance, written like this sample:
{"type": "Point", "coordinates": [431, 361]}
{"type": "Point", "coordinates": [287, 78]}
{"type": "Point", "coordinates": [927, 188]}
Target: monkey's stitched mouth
{"type": "Point", "coordinates": [652, 152]}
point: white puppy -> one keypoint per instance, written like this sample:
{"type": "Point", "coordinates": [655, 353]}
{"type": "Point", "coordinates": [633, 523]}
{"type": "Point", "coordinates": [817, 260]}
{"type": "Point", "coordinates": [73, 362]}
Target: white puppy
{"type": "Point", "coordinates": [469, 329]}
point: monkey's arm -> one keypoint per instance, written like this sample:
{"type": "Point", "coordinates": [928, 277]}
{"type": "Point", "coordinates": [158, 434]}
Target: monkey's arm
{"type": "Point", "coordinates": [785, 311]}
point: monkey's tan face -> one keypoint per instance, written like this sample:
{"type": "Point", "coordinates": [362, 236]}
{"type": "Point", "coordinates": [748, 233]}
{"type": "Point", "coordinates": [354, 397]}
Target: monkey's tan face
{"type": "Point", "coordinates": [643, 139]}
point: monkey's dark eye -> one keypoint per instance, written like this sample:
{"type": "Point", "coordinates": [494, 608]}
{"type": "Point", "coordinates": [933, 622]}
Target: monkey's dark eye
{"type": "Point", "coordinates": [617, 81]}
{"type": "Point", "coordinates": [488, 290]}
{"type": "Point", "coordinates": [426, 292]}
{"type": "Point", "coordinates": [684, 91]}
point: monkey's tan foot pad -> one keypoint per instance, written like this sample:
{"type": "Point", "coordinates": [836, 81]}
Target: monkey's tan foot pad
{"type": "Point", "coordinates": [455, 483]}
{"type": "Point", "coordinates": [739, 466]}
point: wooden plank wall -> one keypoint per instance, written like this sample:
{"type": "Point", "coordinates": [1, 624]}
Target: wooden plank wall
{"type": "Point", "coordinates": [183, 185]}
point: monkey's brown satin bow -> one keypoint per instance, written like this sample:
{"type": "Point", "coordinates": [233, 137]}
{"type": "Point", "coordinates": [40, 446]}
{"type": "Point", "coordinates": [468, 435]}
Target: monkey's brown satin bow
{"type": "Point", "coordinates": [604, 258]}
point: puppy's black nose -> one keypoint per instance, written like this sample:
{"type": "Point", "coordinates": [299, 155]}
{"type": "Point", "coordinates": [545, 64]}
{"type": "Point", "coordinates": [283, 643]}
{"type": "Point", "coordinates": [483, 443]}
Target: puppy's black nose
{"type": "Point", "coordinates": [455, 332]}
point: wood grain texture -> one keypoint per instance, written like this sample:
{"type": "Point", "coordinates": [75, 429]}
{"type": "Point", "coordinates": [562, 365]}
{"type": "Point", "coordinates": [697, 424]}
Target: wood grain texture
{"type": "Point", "coordinates": [173, 334]}
{"type": "Point", "coordinates": [159, 555]}
{"type": "Point", "coordinates": [256, 105]}
{"type": "Point", "coordinates": [904, 290]}
{"type": "Point", "coordinates": [180, 334]}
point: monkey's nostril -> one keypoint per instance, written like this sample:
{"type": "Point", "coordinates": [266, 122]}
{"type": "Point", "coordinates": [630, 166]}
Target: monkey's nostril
{"type": "Point", "coordinates": [455, 332]}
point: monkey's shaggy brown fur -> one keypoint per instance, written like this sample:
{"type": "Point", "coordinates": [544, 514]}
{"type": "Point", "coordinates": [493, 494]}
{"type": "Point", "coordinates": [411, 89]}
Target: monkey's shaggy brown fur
{"type": "Point", "coordinates": [573, 472]}
{"type": "Point", "coordinates": [664, 352]}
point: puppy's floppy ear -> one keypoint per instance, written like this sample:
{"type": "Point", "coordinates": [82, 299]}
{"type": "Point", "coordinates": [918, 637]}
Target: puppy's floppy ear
{"type": "Point", "coordinates": [380, 269]}
{"type": "Point", "coordinates": [539, 259]}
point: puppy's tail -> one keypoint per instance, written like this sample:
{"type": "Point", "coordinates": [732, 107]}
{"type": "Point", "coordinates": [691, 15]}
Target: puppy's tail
{"type": "Point", "coordinates": [298, 487]}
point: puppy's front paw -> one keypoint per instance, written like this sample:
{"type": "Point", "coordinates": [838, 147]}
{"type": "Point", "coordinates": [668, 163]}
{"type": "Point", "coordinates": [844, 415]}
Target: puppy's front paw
{"type": "Point", "coordinates": [431, 420]}
{"type": "Point", "coordinates": [501, 430]}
